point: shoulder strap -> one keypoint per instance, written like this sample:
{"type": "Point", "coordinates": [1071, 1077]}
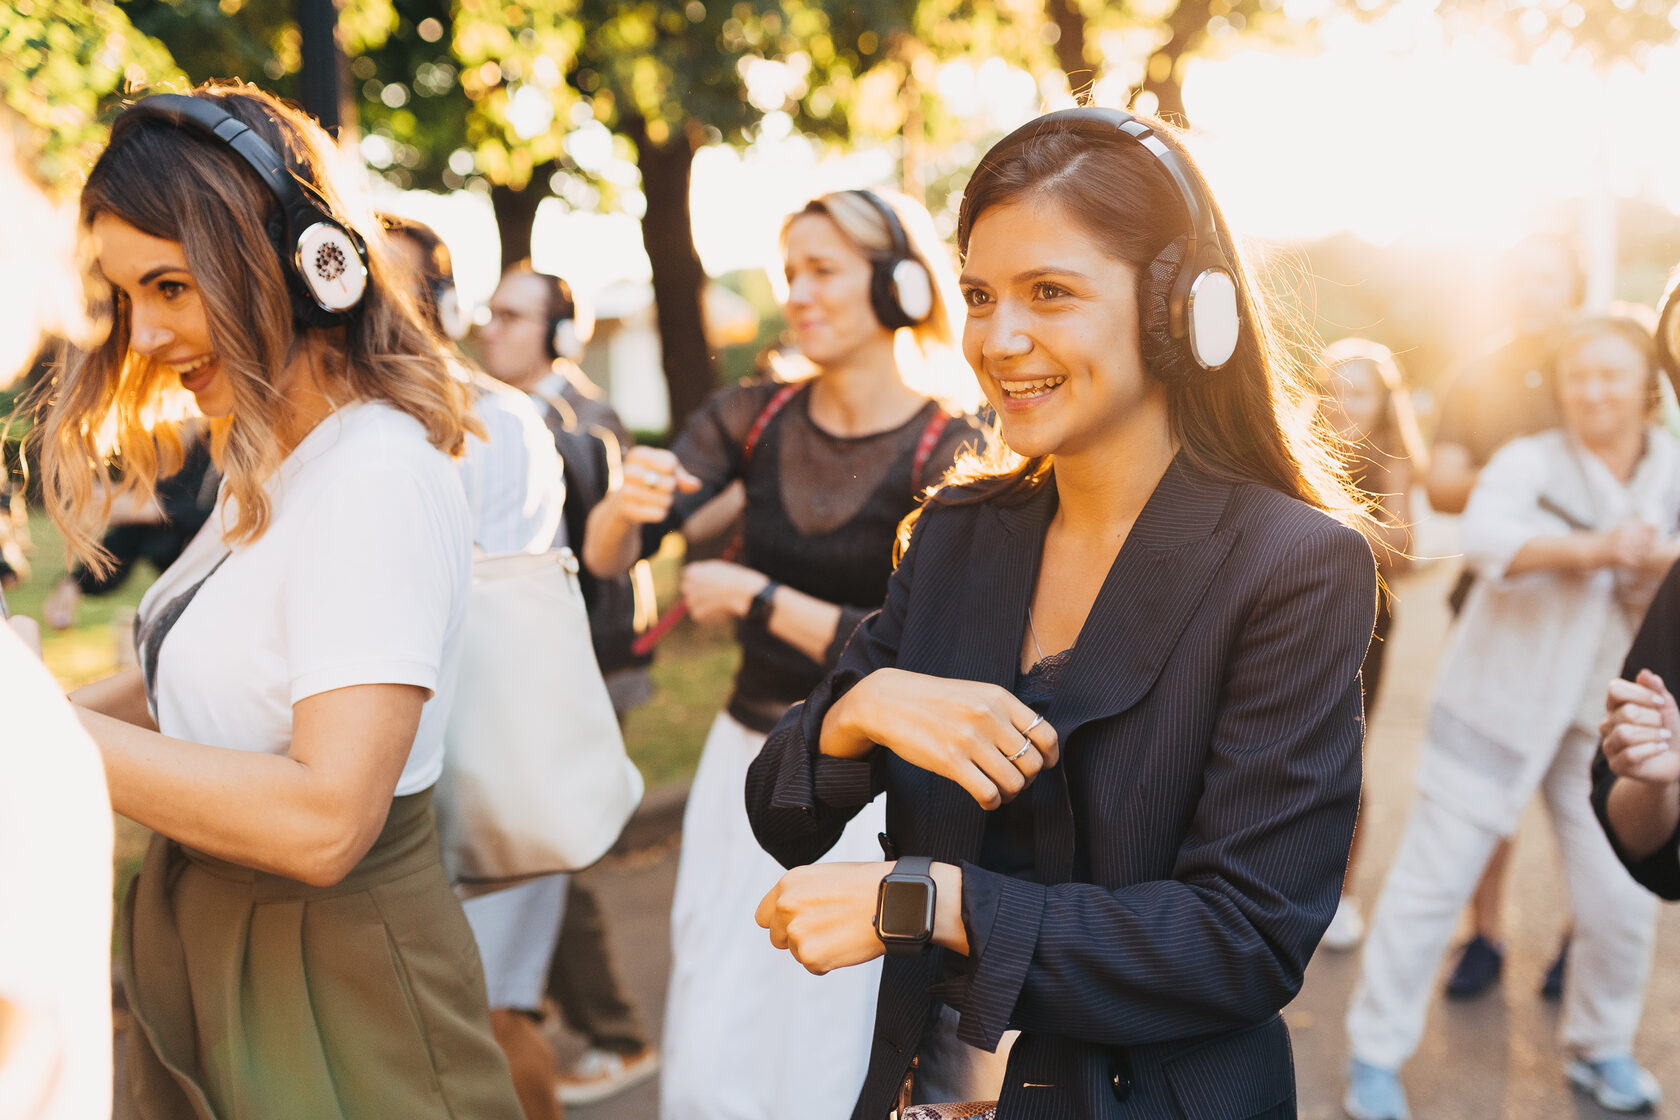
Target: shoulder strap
{"type": "Point", "coordinates": [768, 413]}
{"type": "Point", "coordinates": [931, 436]}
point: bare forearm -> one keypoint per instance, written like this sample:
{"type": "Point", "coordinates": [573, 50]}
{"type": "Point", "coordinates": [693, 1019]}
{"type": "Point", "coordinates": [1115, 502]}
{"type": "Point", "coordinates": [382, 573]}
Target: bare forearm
{"type": "Point", "coordinates": [804, 622]}
{"type": "Point", "coordinates": [1576, 552]}
{"type": "Point", "coordinates": [122, 696]}
{"type": "Point", "coordinates": [1643, 815]}
{"type": "Point", "coordinates": [259, 810]}
{"type": "Point", "coordinates": [948, 929]}
{"type": "Point", "coordinates": [611, 543]}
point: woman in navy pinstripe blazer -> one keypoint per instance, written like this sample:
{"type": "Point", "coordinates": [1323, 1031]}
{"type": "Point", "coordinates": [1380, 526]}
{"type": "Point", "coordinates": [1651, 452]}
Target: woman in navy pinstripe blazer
{"type": "Point", "coordinates": [1113, 694]}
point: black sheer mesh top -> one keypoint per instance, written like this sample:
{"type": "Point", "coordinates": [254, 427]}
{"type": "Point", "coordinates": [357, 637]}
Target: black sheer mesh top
{"type": "Point", "coordinates": [822, 512]}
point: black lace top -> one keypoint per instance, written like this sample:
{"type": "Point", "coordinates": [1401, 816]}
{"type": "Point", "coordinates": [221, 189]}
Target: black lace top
{"type": "Point", "coordinates": [1007, 845]}
{"type": "Point", "coordinates": [822, 513]}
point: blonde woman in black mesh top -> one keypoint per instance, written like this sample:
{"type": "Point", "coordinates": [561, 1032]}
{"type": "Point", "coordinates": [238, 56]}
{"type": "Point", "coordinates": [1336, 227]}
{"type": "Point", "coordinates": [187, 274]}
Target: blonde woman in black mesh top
{"type": "Point", "coordinates": [831, 465]}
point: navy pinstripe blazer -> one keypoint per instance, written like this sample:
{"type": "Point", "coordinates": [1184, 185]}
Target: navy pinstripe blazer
{"type": "Point", "coordinates": [1189, 848]}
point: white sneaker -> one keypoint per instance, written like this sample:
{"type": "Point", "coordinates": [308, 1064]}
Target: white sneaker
{"type": "Point", "coordinates": [1618, 1084]}
{"type": "Point", "coordinates": [601, 1073]}
{"type": "Point", "coordinates": [1347, 928]}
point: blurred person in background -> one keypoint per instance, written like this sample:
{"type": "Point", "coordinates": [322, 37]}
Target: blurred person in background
{"type": "Point", "coordinates": [55, 813]}
{"type": "Point", "coordinates": [515, 492]}
{"type": "Point", "coordinates": [1636, 776]}
{"type": "Point", "coordinates": [1364, 403]}
{"type": "Point", "coordinates": [1569, 531]}
{"type": "Point", "coordinates": [291, 946]}
{"type": "Point", "coordinates": [532, 342]}
{"type": "Point", "coordinates": [1497, 396]}
{"type": "Point", "coordinates": [830, 466]}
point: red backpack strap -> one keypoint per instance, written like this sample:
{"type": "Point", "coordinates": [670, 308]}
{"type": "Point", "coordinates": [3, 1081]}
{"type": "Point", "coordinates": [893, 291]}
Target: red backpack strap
{"type": "Point", "coordinates": [924, 447]}
{"type": "Point", "coordinates": [774, 405]}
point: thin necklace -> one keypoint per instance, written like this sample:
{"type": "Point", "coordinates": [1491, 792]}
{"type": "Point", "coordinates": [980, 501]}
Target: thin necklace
{"type": "Point", "coordinates": [1033, 634]}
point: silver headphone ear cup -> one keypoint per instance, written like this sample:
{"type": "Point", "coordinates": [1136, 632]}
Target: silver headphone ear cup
{"type": "Point", "coordinates": [331, 267]}
{"type": "Point", "coordinates": [451, 315]}
{"type": "Point", "coordinates": [913, 289]}
{"type": "Point", "coordinates": [1211, 318]}
{"type": "Point", "coordinates": [567, 342]}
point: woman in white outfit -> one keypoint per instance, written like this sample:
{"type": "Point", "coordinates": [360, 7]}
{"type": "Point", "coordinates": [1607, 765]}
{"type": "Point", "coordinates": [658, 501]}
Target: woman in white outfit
{"type": "Point", "coordinates": [830, 467]}
{"type": "Point", "coordinates": [1570, 530]}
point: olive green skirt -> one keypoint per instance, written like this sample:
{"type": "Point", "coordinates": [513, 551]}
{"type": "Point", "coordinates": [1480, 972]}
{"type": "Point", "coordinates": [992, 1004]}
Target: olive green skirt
{"type": "Point", "coordinates": [256, 996]}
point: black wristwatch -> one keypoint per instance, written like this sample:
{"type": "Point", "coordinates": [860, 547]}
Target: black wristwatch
{"type": "Point", "coordinates": [758, 611]}
{"type": "Point", "coordinates": [904, 907]}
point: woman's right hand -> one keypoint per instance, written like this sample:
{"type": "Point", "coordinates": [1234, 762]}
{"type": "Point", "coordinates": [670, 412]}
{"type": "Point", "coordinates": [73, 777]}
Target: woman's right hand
{"type": "Point", "coordinates": [976, 734]}
{"type": "Point", "coordinates": [652, 478]}
{"type": "Point", "coordinates": [1641, 735]}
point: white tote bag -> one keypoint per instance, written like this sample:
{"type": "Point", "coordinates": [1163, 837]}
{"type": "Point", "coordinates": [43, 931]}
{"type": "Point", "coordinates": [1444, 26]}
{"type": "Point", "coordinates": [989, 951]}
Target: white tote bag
{"type": "Point", "coordinates": [535, 778]}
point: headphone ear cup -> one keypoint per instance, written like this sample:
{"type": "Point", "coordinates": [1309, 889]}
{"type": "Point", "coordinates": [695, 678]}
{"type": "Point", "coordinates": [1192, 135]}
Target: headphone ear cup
{"type": "Point", "coordinates": [912, 289]}
{"type": "Point", "coordinates": [567, 343]}
{"type": "Point", "coordinates": [1167, 358]}
{"type": "Point", "coordinates": [450, 314]}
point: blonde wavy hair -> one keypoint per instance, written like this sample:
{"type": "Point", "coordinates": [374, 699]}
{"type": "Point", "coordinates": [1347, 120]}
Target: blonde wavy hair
{"type": "Point", "coordinates": [102, 429]}
{"type": "Point", "coordinates": [938, 370]}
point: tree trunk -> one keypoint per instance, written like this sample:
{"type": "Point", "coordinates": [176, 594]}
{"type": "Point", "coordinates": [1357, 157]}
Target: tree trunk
{"type": "Point", "coordinates": [1069, 20]}
{"type": "Point", "coordinates": [1169, 91]}
{"type": "Point", "coordinates": [1162, 74]}
{"type": "Point", "coordinates": [516, 210]}
{"type": "Point", "coordinates": [678, 279]}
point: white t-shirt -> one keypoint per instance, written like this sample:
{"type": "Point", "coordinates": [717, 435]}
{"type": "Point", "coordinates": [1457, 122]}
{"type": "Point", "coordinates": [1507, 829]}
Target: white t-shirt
{"type": "Point", "coordinates": [514, 482]}
{"type": "Point", "coordinates": [55, 917]}
{"type": "Point", "coordinates": [360, 578]}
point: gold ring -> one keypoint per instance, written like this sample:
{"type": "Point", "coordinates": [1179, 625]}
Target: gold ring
{"type": "Point", "coordinates": [1026, 745]}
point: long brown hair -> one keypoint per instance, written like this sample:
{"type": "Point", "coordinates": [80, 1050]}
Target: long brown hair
{"type": "Point", "coordinates": [1245, 422]}
{"type": "Point", "coordinates": [103, 405]}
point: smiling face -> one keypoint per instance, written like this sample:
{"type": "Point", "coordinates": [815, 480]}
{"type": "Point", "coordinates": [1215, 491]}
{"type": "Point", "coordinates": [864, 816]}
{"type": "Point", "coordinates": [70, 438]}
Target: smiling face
{"type": "Point", "coordinates": [828, 307]}
{"type": "Point", "coordinates": [1603, 388]}
{"type": "Point", "coordinates": [1052, 332]}
{"type": "Point", "coordinates": [167, 319]}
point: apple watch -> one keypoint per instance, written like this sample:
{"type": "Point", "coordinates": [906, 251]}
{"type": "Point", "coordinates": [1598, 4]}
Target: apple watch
{"type": "Point", "coordinates": [758, 611]}
{"type": "Point", "coordinates": [904, 907]}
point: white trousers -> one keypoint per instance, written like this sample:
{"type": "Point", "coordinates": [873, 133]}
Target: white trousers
{"type": "Point", "coordinates": [1433, 876]}
{"type": "Point", "coordinates": [516, 929]}
{"type": "Point", "coordinates": [749, 1034]}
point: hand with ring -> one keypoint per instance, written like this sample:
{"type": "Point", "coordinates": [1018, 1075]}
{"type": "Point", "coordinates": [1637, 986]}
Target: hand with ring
{"type": "Point", "coordinates": [652, 479]}
{"type": "Point", "coordinates": [976, 734]}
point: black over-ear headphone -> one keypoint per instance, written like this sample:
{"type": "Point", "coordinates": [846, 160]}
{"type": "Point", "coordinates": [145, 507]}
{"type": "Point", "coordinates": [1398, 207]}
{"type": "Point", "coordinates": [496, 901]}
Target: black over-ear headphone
{"type": "Point", "coordinates": [324, 259]}
{"type": "Point", "coordinates": [900, 289]}
{"type": "Point", "coordinates": [1200, 284]}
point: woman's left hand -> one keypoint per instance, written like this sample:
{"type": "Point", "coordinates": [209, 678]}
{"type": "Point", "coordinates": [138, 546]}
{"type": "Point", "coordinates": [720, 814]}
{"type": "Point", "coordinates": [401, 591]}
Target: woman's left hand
{"type": "Point", "coordinates": [824, 914]}
{"type": "Point", "coordinates": [717, 590]}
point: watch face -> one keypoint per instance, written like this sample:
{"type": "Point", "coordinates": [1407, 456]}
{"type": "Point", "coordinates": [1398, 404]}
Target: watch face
{"type": "Point", "coordinates": [906, 909]}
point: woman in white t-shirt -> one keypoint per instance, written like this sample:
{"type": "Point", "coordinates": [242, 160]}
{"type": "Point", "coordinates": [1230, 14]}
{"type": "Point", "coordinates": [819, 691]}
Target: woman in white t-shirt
{"type": "Point", "coordinates": [292, 947]}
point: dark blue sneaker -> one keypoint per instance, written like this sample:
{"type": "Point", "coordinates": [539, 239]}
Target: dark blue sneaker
{"type": "Point", "coordinates": [1477, 970]}
{"type": "Point", "coordinates": [1552, 987]}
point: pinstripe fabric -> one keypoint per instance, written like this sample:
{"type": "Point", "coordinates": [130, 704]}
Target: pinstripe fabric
{"type": "Point", "coordinates": [1189, 848]}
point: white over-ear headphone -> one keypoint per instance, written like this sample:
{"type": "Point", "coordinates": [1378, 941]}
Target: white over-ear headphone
{"type": "Point", "coordinates": [900, 289]}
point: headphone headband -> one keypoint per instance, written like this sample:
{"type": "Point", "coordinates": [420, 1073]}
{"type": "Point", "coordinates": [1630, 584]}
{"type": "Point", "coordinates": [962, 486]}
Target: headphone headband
{"type": "Point", "coordinates": [901, 288]}
{"type": "Point", "coordinates": [325, 255]}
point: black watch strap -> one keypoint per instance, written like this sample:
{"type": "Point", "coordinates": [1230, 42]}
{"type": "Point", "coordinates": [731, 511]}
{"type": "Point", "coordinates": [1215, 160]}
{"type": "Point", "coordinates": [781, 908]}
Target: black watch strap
{"type": "Point", "coordinates": [914, 865]}
{"type": "Point", "coordinates": [758, 611]}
